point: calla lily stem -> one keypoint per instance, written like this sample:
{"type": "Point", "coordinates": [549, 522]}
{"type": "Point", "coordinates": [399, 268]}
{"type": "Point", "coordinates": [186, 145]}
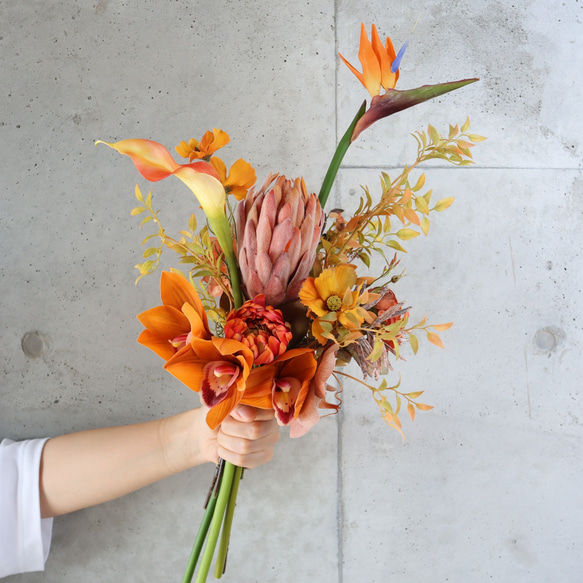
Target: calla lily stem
{"type": "Point", "coordinates": [226, 533]}
{"type": "Point", "coordinates": [341, 150]}
{"type": "Point", "coordinates": [200, 538]}
{"type": "Point", "coordinates": [217, 521]}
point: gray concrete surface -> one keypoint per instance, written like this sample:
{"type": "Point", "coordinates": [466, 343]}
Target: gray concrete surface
{"type": "Point", "coordinates": [487, 485]}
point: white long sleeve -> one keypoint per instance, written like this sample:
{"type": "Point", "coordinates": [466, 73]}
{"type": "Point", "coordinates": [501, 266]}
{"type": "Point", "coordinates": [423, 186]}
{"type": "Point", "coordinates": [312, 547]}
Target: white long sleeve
{"type": "Point", "coordinates": [25, 538]}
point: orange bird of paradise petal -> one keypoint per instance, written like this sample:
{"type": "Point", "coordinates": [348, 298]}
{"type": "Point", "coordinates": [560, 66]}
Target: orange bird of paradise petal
{"type": "Point", "coordinates": [180, 317]}
{"type": "Point", "coordinates": [377, 62]}
{"type": "Point", "coordinates": [217, 369]}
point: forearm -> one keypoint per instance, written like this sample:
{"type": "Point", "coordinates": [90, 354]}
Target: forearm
{"type": "Point", "coordinates": [90, 467]}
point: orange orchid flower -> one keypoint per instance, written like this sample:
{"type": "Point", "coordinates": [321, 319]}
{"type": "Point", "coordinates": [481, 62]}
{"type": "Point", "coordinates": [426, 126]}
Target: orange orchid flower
{"type": "Point", "coordinates": [284, 385]}
{"type": "Point", "coordinates": [181, 317]}
{"type": "Point", "coordinates": [240, 179]}
{"type": "Point", "coordinates": [380, 64]}
{"type": "Point", "coordinates": [203, 150]}
{"type": "Point", "coordinates": [217, 369]}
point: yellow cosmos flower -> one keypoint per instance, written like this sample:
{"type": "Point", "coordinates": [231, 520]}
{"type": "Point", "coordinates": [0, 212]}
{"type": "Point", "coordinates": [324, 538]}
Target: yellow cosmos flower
{"type": "Point", "coordinates": [331, 299]}
{"type": "Point", "coordinates": [240, 179]}
{"type": "Point", "coordinates": [203, 150]}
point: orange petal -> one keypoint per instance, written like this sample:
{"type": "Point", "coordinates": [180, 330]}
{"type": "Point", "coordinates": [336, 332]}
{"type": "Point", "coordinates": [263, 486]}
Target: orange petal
{"type": "Point", "coordinates": [220, 167]}
{"type": "Point", "coordinates": [371, 69]}
{"type": "Point", "coordinates": [187, 367]}
{"type": "Point", "coordinates": [152, 159]}
{"type": "Point", "coordinates": [176, 291]}
{"type": "Point", "coordinates": [310, 297]}
{"type": "Point", "coordinates": [218, 413]}
{"type": "Point", "coordinates": [220, 139]}
{"type": "Point", "coordinates": [164, 321]}
{"type": "Point", "coordinates": [198, 323]}
{"type": "Point", "coordinates": [161, 346]}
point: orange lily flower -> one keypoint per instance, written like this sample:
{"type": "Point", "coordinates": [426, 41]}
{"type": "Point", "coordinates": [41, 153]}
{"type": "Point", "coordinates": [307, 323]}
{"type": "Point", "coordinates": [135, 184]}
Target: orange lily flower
{"type": "Point", "coordinates": [217, 369]}
{"type": "Point", "coordinates": [380, 65]}
{"type": "Point", "coordinates": [284, 385]}
{"type": "Point", "coordinates": [240, 179]}
{"type": "Point", "coordinates": [203, 150]}
{"type": "Point", "coordinates": [181, 317]}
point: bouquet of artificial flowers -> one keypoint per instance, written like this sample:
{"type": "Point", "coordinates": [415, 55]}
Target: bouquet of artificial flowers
{"type": "Point", "coordinates": [279, 280]}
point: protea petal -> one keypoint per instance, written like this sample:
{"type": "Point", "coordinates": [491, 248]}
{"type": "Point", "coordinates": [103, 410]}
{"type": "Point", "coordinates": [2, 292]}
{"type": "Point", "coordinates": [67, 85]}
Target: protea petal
{"type": "Point", "coordinates": [394, 101]}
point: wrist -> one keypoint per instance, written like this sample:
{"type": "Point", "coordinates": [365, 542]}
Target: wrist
{"type": "Point", "coordinates": [180, 440]}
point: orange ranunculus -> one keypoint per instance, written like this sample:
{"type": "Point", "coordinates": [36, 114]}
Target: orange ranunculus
{"type": "Point", "coordinates": [181, 317]}
{"type": "Point", "coordinates": [331, 299]}
{"type": "Point", "coordinates": [261, 328]}
{"type": "Point", "coordinates": [217, 369]}
{"type": "Point", "coordinates": [284, 385]}
{"type": "Point", "coordinates": [380, 64]}
{"type": "Point", "coordinates": [203, 150]}
{"type": "Point", "coordinates": [240, 179]}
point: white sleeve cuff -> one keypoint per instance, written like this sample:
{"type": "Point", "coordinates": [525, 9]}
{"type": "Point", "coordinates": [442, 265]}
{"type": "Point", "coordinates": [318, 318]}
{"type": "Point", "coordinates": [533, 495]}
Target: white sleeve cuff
{"type": "Point", "coordinates": [25, 538]}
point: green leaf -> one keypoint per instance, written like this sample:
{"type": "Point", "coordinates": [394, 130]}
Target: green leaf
{"type": "Point", "coordinates": [420, 183]}
{"type": "Point", "coordinates": [406, 234]}
{"type": "Point", "coordinates": [425, 225]}
{"type": "Point", "coordinates": [421, 205]}
{"type": "Point", "coordinates": [192, 223]}
{"type": "Point", "coordinates": [443, 204]}
{"type": "Point", "coordinates": [151, 251]}
{"type": "Point", "coordinates": [433, 134]}
{"type": "Point", "coordinates": [396, 246]}
{"type": "Point", "coordinates": [414, 342]}
{"type": "Point", "coordinates": [377, 350]}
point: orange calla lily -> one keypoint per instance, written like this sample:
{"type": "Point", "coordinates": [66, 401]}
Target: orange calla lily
{"type": "Point", "coordinates": [203, 150]}
{"type": "Point", "coordinates": [154, 162]}
{"type": "Point", "coordinates": [180, 317]}
{"type": "Point", "coordinates": [380, 66]}
{"type": "Point", "coordinates": [217, 369]}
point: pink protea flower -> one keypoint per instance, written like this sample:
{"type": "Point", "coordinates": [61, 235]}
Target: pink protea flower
{"type": "Point", "coordinates": [278, 229]}
{"type": "Point", "coordinates": [262, 329]}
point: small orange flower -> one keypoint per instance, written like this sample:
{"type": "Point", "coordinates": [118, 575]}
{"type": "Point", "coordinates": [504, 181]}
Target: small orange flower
{"type": "Point", "coordinates": [203, 150]}
{"type": "Point", "coordinates": [240, 179]}
{"type": "Point", "coordinates": [380, 64]}
{"type": "Point", "coordinates": [181, 317]}
{"type": "Point", "coordinates": [331, 299]}
{"type": "Point", "coordinates": [217, 369]}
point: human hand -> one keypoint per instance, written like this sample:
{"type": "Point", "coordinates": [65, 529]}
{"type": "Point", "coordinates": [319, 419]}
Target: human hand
{"type": "Point", "coordinates": [245, 438]}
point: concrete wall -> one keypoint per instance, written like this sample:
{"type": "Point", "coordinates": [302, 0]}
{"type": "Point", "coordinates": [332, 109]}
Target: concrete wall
{"type": "Point", "coordinates": [487, 485]}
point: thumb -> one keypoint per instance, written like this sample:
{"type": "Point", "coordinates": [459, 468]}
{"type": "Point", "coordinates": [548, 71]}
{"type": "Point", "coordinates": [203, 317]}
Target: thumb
{"type": "Point", "coordinates": [244, 413]}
